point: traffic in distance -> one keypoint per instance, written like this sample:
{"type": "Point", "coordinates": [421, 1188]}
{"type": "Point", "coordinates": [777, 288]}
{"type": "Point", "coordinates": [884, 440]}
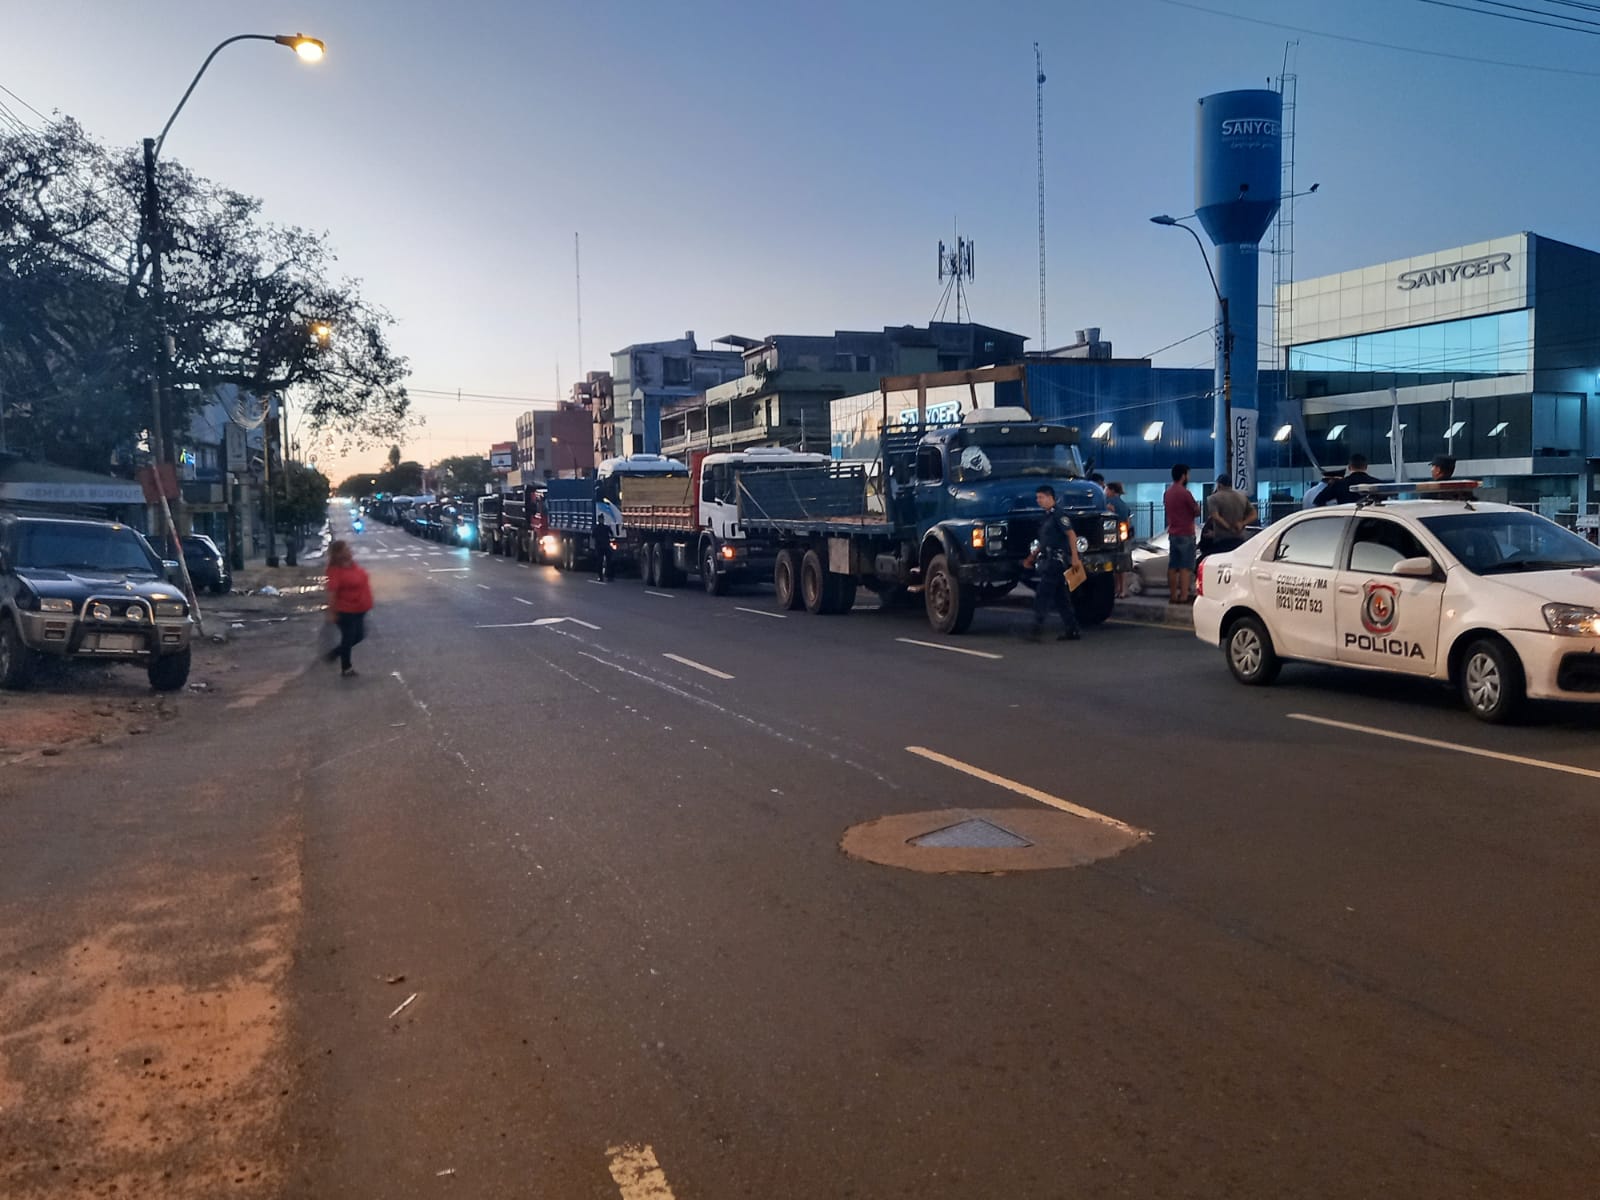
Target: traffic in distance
{"type": "Point", "coordinates": [945, 516]}
{"type": "Point", "coordinates": [1500, 603]}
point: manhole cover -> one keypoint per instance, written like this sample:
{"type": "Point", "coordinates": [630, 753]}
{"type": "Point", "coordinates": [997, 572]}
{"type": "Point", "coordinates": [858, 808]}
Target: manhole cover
{"type": "Point", "coordinates": [974, 834]}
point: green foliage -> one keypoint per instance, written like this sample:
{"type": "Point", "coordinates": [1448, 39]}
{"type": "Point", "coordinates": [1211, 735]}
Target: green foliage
{"type": "Point", "coordinates": [307, 503]}
{"type": "Point", "coordinates": [463, 473]}
{"type": "Point", "coordinates": [401, 479]}
{"type": "Point", "coordinates": [243, 297]}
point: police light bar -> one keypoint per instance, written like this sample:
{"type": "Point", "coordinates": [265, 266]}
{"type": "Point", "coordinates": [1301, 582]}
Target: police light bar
{"type": "Point", "coordinates": [1442, 489]}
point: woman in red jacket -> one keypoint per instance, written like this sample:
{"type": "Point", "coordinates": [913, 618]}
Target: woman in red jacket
{"type": "Point", "coordinates": [349, 601]}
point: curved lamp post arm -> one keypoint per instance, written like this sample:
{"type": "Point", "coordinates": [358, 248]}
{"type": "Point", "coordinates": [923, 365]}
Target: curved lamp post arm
{"type": "Point", "coordinates": [308, 48]}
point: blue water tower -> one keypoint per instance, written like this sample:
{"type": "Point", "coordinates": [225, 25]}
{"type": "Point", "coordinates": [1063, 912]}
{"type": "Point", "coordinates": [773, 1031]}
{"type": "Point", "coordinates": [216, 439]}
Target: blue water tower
{"type": "Point", "coordinates": [1237, 177]}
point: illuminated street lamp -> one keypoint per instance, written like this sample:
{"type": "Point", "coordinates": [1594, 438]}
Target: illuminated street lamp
{"type": "Point", "coordinates": [310, 50]}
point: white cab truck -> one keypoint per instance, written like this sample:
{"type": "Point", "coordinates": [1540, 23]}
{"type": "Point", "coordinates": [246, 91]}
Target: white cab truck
{"type": "Point", "coordinates": [678, 527]}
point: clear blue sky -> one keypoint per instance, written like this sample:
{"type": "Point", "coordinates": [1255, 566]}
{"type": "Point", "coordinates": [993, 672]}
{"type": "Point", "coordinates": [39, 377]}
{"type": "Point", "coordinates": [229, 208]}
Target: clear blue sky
{"type": "Point", "coordinates": [762, 168]}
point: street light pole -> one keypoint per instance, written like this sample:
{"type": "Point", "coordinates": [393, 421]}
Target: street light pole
{"type": "Point", "coordinates": [163, 437]}
{"type": "Point", "coordinates": [1223, 420]}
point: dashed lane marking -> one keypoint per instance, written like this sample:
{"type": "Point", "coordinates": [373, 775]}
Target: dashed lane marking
{"type": "Point", "coordinates": [1392, 735]}
{"type": "Point", "coordinates": [447, 570]}
{"type": "Point", "coordinates": [520, 600]}
{"type": "Point", "coordinates": [637, 1174]}
{"type": "Point", "coordinates": [951, 649]}
{"type": "Point", "coordinates": [1022, 789]}
{"type": "Point", "coordinates": [761, 612]}
{"type": "Point", "coordinates": [663, 595]}
{"type": "Point", "coordinates": [689, 662]}
{"type": "Point", "coordinates": [484, 586]}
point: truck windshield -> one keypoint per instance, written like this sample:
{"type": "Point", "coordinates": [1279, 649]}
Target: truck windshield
{"type": "Point", "coordinates": [1011, 460]}
{"type": "Point", "coordinates": [82, 548]}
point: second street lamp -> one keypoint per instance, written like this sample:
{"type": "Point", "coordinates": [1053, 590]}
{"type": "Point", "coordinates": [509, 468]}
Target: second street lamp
{"type": "Point", "coordinates": [1222, 457]}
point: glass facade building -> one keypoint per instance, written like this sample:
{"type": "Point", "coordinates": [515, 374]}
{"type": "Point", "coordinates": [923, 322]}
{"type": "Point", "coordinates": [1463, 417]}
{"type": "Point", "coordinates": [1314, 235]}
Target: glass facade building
{"type": "Point", "coordinates": [1489, 352]}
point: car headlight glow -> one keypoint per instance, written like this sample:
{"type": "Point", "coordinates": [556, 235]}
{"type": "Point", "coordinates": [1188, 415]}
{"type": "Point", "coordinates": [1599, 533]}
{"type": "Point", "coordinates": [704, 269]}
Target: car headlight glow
{"type": "Point", "coordinates": [56, 604]}
{"type": "Point", "coordinates": [170, 610]}
{"type": "Point", "coordinates": [1572, 620]}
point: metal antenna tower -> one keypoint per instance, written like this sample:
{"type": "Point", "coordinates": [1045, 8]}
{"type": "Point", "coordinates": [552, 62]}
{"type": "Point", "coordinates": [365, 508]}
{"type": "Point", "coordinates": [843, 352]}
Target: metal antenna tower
{"type": "Point", "coordinates": [1038, 68]}
{"type": "Point", "coordinates": [1283, 235]}
{"type": "Point", "coordinates": [577, 271]}
{"type": "Point", "coordinates": [956, 267]}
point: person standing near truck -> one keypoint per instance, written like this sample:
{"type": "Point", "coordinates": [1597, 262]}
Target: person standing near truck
{"type": "Point", "coordinates": [602, 548]}
{"type": "Point", "coordinates": [1182, 511]}
{"type": "Point", "coordinates": [1057, 547]}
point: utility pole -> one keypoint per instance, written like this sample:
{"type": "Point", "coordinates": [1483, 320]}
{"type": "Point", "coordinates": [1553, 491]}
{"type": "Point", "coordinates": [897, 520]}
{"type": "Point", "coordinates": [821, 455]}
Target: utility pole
{"type": "Point", "coordinates": [267, 488]}
{"type": "Point", "coordinates": [1038, 68]}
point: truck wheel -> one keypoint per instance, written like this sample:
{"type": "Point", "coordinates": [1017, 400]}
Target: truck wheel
{"type": "Point", "coordinates": [171, 672]}
{"type": "Point", "coordinates": [715, 585]}
{"type": "Point", "coordinates": [950, 606]}
{"type": "Point", "coordinates": [786, 581]}
{"type": "Point", "coordinates": [16, 660]}
{"type": "Point", "coordinates": [1095, 599]}
{"type": "Point", "coordinates": [841, 593]}
{"type": "Point", "coordinates": [814, 590]}
{"type": "Point", "coordinates": [1491, 681]}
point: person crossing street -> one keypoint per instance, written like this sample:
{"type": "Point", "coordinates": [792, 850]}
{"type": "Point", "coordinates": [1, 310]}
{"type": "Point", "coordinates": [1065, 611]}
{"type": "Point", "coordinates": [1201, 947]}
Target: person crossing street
{"type": "Point", "coordinates": [1057, 547]}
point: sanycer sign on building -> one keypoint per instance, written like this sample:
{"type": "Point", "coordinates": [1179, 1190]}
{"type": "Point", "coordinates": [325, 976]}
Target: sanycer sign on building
{"type": "Point", "coordinates": [1493, 352]}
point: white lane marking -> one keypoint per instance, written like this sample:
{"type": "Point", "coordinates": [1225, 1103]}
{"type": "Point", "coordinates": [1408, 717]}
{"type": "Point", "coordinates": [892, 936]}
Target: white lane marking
{"type": "Point", "coordinates": [761, 612]}
{"type": "Point", "coordinates": [520, 600]}
{"type": "Point", "coordinates": [575, 621]}
{"type": "Point", "coordinates": [689, 662]}
{"type": "Point", "coordinates": [540, 621]}
{"type": "Point", "coordinates": [447, 570]}
{"type": "Point", "coordinates": [1022, 789]}
{"type": "Point", "coordinates": [599, 581]}
{"type": "Point", "coordinates": [484, 586]}
{"type": "Point", "coordinates": [663, 595]}
{"type": "Point", "coordinates": [1521, 761]}
{"type": "Point", "coordinates": [637, 1174]}
{"type": "Point", "coordinates": [951, 649]}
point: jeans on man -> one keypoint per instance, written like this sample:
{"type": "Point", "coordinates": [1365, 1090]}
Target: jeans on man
{"type": "Point", "coordinates": [352, 631]}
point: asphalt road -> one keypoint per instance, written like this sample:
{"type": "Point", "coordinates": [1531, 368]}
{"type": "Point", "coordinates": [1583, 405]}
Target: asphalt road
{"type": "Point", "coordinates": [604, 852]}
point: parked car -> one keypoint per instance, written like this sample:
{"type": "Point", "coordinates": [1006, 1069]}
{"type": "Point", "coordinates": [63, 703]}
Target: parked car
{"type": "Point", "coordinates": [88, 590]}
{"type": "Point", "coordinates": [1149, 574]}
{"type": "Point", "coordinates": [208, 565]}
{"type": "Point", "coordinates": [1502, 604]}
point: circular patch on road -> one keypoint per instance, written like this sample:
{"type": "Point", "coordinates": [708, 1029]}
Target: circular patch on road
{"type": "Point", "coordinates": [985, 841]}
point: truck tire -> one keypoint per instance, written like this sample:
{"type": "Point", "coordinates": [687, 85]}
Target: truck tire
{"type": "Point", "coordinates": [951, 606]}
{"type": "Point", "coordinates": [650, 564]}
{"type": "Point", "coordinates": [1095, 598]}
{"type": "Point", "coordinates": [814, 590]}
{"type": "Point", "coordinates": [715, 584]}
{"type": "Point", "coordinates": [841, 593]}
{"type": "Point", "coordinates": [786, 581]}
{"type": "Point", "coordinates": [16, 660]}
{"type": "Point", "coordinates": [170, 672]}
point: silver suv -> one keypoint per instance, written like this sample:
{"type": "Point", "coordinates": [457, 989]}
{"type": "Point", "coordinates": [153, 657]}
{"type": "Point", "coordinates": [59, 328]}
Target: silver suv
{"type": "Point", "coordinates": [88, 590]}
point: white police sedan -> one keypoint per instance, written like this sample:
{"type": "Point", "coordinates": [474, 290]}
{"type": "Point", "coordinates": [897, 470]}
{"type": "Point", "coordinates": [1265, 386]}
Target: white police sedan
{"type": "Point", "coordinates": [1499, 602]}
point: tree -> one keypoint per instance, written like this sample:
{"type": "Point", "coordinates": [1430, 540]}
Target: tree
{"type": "Point", "coordinates": [394, 457]}
{"type": "Point", "coordinates": [307, 502]}
{"type": "Point", "coordinates": [354, 486]}
{"type": "Point", "coordinates": [248, 303]}
{"type": "Point", "coordinates": [463, 473]}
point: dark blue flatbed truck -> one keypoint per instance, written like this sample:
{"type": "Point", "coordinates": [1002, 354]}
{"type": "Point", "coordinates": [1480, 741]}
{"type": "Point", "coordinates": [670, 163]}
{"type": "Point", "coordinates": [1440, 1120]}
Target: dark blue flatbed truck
{"type": "Point", "coordinates": [948, 512]}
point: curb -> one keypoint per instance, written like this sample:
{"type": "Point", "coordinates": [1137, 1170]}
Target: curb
{"type": "Point", "coordinates": [1154, 612]}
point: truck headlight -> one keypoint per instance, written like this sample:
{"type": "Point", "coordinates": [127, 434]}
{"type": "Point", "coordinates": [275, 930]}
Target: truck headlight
{"type": "Point", "coordinates": [1572, 620]}
{"type": "Point", "coordinates": [996, 535]}
{"type": "Point", "coordinates": [1123, 532]}
{"type": "Point", "coordinates": [56, 604]}
{"type": "Point", "coordinates": [1083, 544]}
{"type": "Point", "coordinates": [1110, 528]}
{"type": "Point", "coordinates": [977, 537]}
{"type": "Point", "coordinates": [171, 610]}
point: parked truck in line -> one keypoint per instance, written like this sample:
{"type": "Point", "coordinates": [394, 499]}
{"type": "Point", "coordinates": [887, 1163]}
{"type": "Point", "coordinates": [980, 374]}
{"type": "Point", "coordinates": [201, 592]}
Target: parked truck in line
{"type": "Point", "coordinates": [675, 527]}
{"type": "Point", "coordinates": [947, 511]}
{"type": "Point", "coordinates": [524, 533]}
{"type": "Point", "coordinates": [580, 510]}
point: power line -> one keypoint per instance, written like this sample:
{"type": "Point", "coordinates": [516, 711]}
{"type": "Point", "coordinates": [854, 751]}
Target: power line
{"type": "Point", "coordinates": [24, 103]}
{"type": "Point", "coordinates": [1342, 37]}
{"type": "Point", "coordinates": [1511, 16]}
{"type": "Point", "coordinates": [1180, 341]}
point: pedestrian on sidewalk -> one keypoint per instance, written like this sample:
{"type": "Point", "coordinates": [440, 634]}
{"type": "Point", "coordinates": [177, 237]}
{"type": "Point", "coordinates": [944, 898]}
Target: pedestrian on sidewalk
{"type": "Point", "coordinates": [1182, 512]}
{"type": "Point", "coordinates": [1228, 511]}
{"type": "Point", "coordinates": [349, 602]}
{"type": "Point", "coordinates": [1057, 547]}
{"type": "Point", "coordinates": [1118, 507]}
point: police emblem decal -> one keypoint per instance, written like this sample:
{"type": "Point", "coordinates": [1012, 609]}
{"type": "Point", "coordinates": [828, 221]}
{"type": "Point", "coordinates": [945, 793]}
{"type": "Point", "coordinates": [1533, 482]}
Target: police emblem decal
{"type": "Point", "coordinates": [1380, 608]}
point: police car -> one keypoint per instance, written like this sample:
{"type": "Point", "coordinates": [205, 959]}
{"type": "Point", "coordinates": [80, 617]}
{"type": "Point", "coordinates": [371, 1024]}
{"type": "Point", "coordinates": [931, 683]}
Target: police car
{"type": "Point", "coordinates": [1501, 603]}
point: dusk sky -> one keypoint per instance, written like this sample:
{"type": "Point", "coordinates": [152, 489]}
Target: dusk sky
{"type": "Point", "coordinates": [757, 169]}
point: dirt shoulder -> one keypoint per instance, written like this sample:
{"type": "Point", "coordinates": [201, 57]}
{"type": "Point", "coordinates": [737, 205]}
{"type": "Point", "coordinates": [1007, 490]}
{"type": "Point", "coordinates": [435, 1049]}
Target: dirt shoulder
{"type": "Point", "coordinates": [150, 878]}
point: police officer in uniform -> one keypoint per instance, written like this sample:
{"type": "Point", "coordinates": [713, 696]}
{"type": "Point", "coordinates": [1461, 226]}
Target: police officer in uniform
{"type": "Point", "coordinates": [1057, 546]}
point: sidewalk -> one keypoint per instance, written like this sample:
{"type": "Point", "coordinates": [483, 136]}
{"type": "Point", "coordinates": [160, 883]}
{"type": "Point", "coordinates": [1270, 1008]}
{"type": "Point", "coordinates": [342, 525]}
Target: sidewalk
{"type": "Point", "coordinates": [1153, 610]}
